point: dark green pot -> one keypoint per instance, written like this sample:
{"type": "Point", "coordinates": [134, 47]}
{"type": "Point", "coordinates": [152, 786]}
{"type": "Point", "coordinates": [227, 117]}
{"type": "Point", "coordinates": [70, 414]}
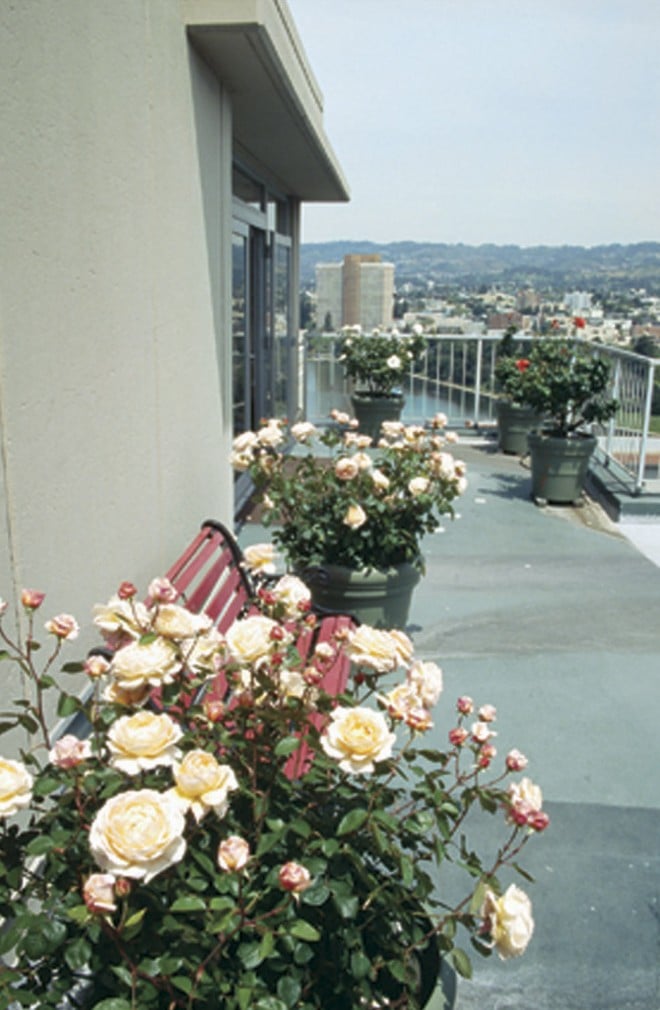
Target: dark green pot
{"type": "Point", "coordinates": [371, 410]}
{"type": "Point", "coordinates": [559, 466]}
{"type": "Point", "coordinates": [514, 424]}
{"type": "Point", "coordinates": [378, 597]}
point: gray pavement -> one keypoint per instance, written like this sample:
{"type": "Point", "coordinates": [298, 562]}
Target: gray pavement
{"type": "Point", "coordinates": [551, 614]}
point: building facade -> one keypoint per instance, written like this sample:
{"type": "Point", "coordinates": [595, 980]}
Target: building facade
{"type": "Point", "coordinates": [358, 291]}
{"type": "Point", "coordinates": [156, 157]}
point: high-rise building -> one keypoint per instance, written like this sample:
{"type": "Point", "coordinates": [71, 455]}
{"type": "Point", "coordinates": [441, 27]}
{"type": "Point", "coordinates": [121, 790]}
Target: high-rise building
{"type": "Point", "coordinates": [359, 291]}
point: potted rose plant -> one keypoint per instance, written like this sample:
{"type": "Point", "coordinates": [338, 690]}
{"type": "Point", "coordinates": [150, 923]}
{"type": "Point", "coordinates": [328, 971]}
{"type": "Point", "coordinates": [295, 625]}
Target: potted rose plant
{"type": "Point", "coordinates": [377, 363]}
{"type": "Point", "coordinates": [570, 386]}
{"type": "Point", "coordinates": [168, 859]}
{"type": "Point", "coordinates": [348, 518]}
{"type": "Point", "coordinates": [515, 419]}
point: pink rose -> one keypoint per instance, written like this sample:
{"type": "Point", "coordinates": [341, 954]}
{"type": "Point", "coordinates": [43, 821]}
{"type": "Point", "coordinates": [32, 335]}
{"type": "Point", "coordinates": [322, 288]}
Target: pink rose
{"type": "Point", "coordinates": [63, 626]}
{"type": "Point", "coordinates": [69, 751]}
{"type": "Point", "coordinates": [488, 713]}
{"type": "Point", "coordinates": [233, 854]}
{"type": "Point", "coordinates": [161, 590]}
{"type": "Point", "coordinates": [32, 598]}
{"type": "Point", "coordinates": [465, 705]}
{"type": "Point", "coordinates": [515, 761]}
{"type": "Point", "coordinates": [458, 736]}
{"type": "Point", "coordinates": [99, 893]}
{"type": "Point", "coordinates": [294, 877]}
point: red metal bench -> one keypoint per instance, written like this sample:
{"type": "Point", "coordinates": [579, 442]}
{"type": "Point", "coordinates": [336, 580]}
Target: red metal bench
{"type": "Point", "coordinates": [211, 578]}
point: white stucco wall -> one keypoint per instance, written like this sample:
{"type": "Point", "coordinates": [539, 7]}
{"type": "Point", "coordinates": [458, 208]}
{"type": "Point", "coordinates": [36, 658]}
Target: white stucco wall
{"type": "Point", "coordinates": [114, 370]}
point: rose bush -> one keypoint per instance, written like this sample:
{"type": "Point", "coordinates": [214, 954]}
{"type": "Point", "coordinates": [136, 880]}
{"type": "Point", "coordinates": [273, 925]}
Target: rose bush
{"type": "Point", "coordinates": [334, 502]}
{"type": "Point", "coordinates": [167, 858]}
{"type": "Point", "coordinates": [378, 361]}
{"type": "Point", "coordinates": [569, 385]}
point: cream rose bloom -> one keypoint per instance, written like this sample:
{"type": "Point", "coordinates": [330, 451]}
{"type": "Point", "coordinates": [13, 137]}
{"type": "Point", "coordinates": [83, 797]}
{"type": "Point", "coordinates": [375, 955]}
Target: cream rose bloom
{"type": "Point", "coordinates": [355, 517]}
{"type": "Point", "coordinates": [15, 787]}
{"type": "Point", "coordinates": [346, 468]}
{"type": "Point", "coordinates": [153, 663]}
{"type": "Point", "coordinates": [357, 738]}
{"type": "Point", "coordinates": [261, 558]}
{"type": "Point", "coordinates": [138, 834]}
{"type": "Point", "coordinates": [174, 621]}
{"type": "Point", "coordinates": [526, 792]}
{"type": "Point", "coordinates": [233, 854]}
{"type": "Point", "coordinates": [372, 647]}
{"type": "Point", "coordinates": [201, 656]}
{"type": "Point", "coordinates": [117, 616]}
{"type": "Point", "coordinates": [251, 638]}
{"type": "Point", "coordinates": [303, 431]}
{"type": "Point", "coordinates": [381, 481]}
{"type": "Point", "coordinates": [419, 485]}
{"type": "Point", "coordinates": [202, 784]}
{"type": "Point", "coordinates": [426, 678]}
{"type": "Point", "coordinates": [292, 593]}
{"type": "Point", "coordinates": [142, 741]}
{"type": "Point", "coordinates": [509, 920]}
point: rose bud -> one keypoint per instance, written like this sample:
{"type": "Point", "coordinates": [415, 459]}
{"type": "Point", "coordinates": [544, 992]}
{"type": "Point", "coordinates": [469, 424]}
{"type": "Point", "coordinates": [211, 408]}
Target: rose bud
{"type": "Point", "coordinates": [63, 626]}
{"type": "Point", "coordinates": [126, 591]}
{"type": "Point", "coordinates": [538, 820]}
{"type": "Point", "coordinates": [294, 877]}
{"type": "Point", "coordinates": [69, 751]}
{"type": "Point", "coordinates": [233, 854]}
{"type": "Point", "coordinates": [465, 705]}
{"type": "Point", "coordinates": [458, 736]}
{"type": "Point", "coordinates": [487, 713]}
{"type": "Point", "coordinates": [515, 761]}
{"type": "Point", "coordinates": [99, 893]}
{"type": "Point", "coordinates": [32, 598]}
{"type": "Point", "coordinates": [96, 666]}
{"type": "Point", "coordinates": [214, 709]}
{"type": "Point", "coordinates": [161, 590]}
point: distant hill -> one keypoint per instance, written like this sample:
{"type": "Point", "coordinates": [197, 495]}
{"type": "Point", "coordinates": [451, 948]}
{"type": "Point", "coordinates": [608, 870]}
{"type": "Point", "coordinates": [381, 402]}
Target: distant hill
{"type": "Point", "coordinates": [550, 268]}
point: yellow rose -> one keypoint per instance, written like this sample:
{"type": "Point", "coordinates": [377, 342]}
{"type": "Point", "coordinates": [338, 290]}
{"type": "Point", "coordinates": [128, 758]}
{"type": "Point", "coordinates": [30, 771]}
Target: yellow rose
{"type": "Point", "coordinates": [426, 678]}
{"type": "Point", "coordinates": [250, 639]}
{"type": "Point", "coordinates": [201, 655]}
{"type": "Point", "coordinates": [15, 786]}
{"type": "Point", "coordinates": [202, 784]}
{"type": "Point", "coordinates": [144, 740]}
{"type": "Point", "coordinates": [372, 647]}
{"type": "Point", "coordinates": [261, 558]}
{"type": "Point", "coordinates": [509, 920]}
{"type": "Point", "coordinates": [233, 854]}
{"type": "Point", "coordinates": [138, 834]}
{"type": "Point", "coordinates": [174, 621]}
{"type": "Point", "coordinates": [153, 663]}
{"type": "Point", "coordinates": [293, 594]}
{"type": "Point", "coordinates": [117, 615]}
{"type": "Point", "coordinates": [355, 517]}
{"type": "Point", "coordinates": [357, 738]}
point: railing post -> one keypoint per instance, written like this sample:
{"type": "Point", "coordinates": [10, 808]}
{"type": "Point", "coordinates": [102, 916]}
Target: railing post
{"type": "Point", "coordinates": [611, 424]}
{"type": "Point", "coordinates": [477, 381]}
{"type": "Point", "coordinates": [645, 427]}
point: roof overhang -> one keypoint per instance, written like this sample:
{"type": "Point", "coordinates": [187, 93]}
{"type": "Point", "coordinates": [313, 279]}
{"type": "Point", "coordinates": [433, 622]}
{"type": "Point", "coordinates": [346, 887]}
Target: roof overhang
{"type": "Point", "coordinates": [253, 48]}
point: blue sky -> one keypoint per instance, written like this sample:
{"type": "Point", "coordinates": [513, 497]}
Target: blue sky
{"type": "Point", "coordinates": [506, 121]}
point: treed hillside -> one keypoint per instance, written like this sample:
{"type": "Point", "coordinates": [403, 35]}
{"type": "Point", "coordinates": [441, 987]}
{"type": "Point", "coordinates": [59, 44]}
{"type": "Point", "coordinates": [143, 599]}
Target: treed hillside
{"type": "Point", "coordinates": [545, 268]}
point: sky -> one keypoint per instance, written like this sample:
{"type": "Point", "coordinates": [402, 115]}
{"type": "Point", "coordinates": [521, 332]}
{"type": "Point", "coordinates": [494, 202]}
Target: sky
{"type": "Point", "coordinates": [526, 122]}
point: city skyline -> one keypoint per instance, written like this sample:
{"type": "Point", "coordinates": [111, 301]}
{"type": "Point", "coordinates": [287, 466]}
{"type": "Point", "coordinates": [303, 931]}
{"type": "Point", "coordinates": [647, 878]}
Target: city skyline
{"type": "Point", "coordinates": [478, 122]}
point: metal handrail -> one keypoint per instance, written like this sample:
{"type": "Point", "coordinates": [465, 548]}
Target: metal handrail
{"type": "Point", "coordinates": [457, 376]}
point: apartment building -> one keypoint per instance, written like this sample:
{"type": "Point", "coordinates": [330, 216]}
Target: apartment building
{"type": "Point", "coordinates": [358, 291]}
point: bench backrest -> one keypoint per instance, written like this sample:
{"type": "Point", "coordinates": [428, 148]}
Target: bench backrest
{"type": "Point", "coordinates": [210, 577]}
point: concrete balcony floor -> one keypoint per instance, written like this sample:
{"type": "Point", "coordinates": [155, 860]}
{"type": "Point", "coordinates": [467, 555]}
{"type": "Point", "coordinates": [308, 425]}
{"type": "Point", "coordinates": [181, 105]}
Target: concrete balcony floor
{"type": "Point", "coordinates": [551, 614]}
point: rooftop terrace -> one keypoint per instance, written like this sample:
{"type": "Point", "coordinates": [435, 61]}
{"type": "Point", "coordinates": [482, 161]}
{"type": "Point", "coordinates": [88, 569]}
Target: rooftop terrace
{"type": "Point", "coordinates": [551, 615]}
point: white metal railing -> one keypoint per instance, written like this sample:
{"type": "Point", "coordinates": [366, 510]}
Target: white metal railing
{"type": "Point", "coordinates": [457, 377]}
